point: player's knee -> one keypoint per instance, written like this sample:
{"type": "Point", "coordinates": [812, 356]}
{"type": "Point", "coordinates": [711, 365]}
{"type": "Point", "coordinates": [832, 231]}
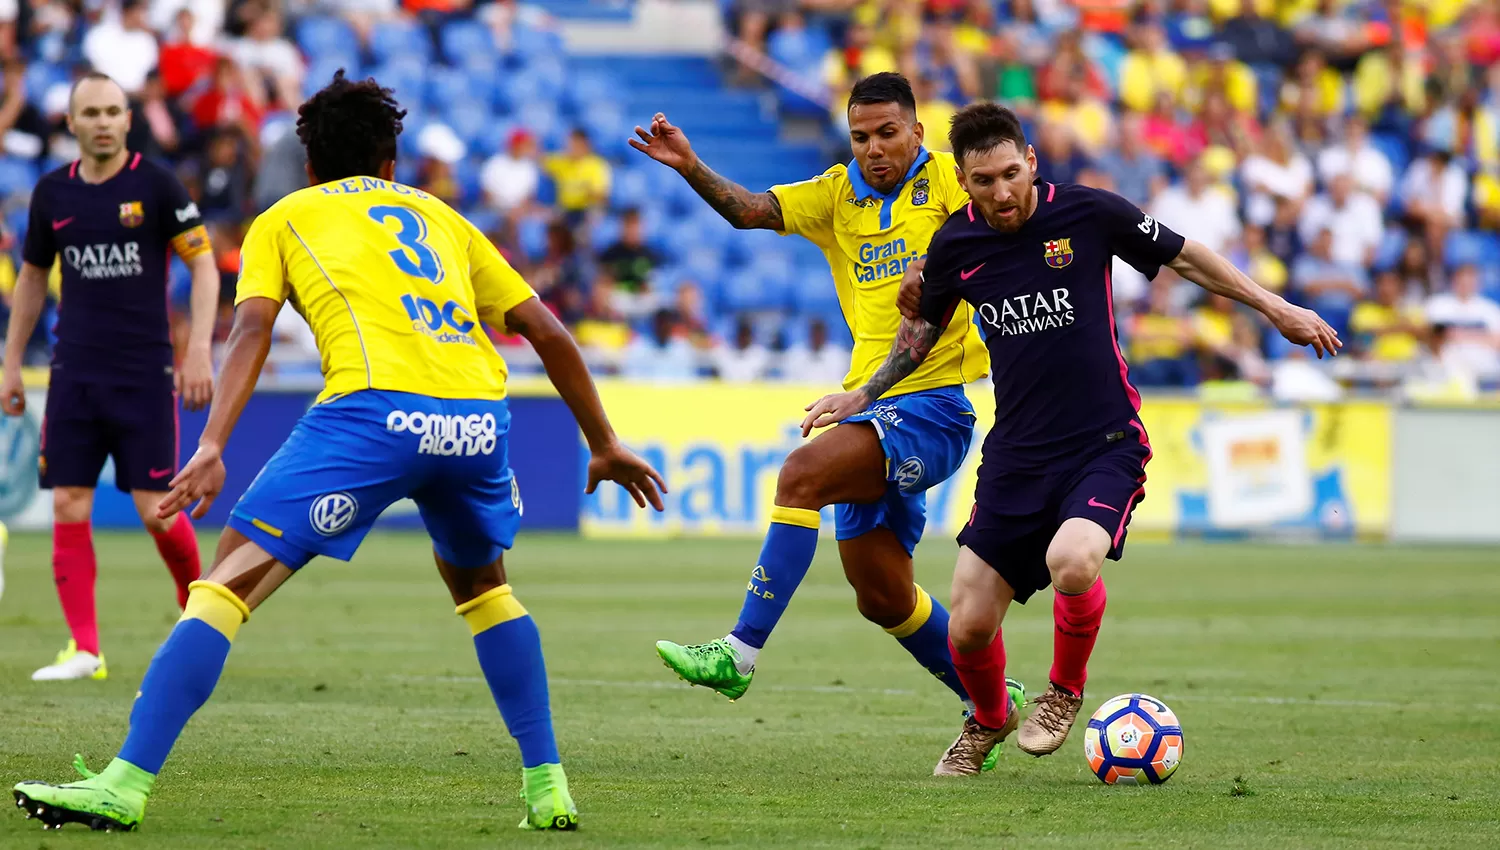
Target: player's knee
{"type": "Point", "coordinates": [157, 526]}
{"type": "Point", "coordinates": [1074, 566]}
{"type": "Point", "coordinates": [800, 484]}
{"type": "Point", "coordinates": [72, 504]}
{"type": "Point", "coordinates": [884, 605]}
{"type": "Point", "coordinates": [971, 629]}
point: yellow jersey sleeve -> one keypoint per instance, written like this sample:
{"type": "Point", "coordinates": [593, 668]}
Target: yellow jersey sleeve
{"type": "Point", "coordinates": [807, 206]}
{"type": "Point", "coordinates": [262, 266]}
{"type": "Point", "coordinates": [498, 288]}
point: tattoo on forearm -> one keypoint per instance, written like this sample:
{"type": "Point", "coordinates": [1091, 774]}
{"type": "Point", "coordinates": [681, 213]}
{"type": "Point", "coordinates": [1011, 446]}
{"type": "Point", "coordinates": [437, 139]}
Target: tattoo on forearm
{"type": "Point", "coordinates": [739, 206]}
{"type": "Point", "coordinates": [914, 341]}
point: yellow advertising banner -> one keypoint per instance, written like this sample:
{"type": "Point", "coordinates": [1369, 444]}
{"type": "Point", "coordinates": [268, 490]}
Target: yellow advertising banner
{"type": "Point", "coordinates": [1219, 469]}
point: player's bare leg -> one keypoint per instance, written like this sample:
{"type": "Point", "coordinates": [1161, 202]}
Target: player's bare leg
{"type": "Point", "coordinates": [980, 600]}
{"type": "Point", "coordinates": [844, 464]}
{"type": "Point", "coordinates": [179, 681]}
{"type": "Point", "coordinates": [75, 570]}
{"type": "Point", "coordinates": [1075, 557]}
{"type": "Point", "coordinates": [176, 541]}
{"type": "Point", "coordinates": [510, 654]}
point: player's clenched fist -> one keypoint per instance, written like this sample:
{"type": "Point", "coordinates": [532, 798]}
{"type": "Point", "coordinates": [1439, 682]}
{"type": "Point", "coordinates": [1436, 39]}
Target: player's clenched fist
{"type": "Point", "coordinates": [622, 466]}
{"type": "Point", "coordinates": [13, 394]}
{"type": "Point", "coordinates": [833, 409]}
{"type": "Point", "coordinates": [909, 297]}
{"type": "Point", "coordinates": [665, 143]}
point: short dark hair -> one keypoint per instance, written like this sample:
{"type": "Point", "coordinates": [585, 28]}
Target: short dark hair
{"type": "Point", "coordinates": [92, 75]}
{"type": "Point", "coordinates": [884, 87]}
{"type": "Point", "coordinates": [984, 126]}
{"type": "Point", "coordinates": [349, 128]}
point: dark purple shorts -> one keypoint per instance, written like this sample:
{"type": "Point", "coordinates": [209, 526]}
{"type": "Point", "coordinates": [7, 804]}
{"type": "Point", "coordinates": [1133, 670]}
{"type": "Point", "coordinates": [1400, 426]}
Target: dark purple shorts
{"type": "Point", "coordinates": [1016, 514]}
{"type": "Point", "coordinates": [87, 422]}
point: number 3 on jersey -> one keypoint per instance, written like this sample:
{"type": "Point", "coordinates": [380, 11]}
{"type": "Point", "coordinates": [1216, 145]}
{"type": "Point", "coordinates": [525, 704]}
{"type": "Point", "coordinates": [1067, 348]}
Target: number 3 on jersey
{"type": "Point", "coordinates": [414, 256]}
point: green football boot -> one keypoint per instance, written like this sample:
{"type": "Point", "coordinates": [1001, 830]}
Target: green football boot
{"type": "Point", "coordinates": [1018, 699]}
{"type": "Point", "coordinates": [711, 665]}
{"type": "Point", "coordinates": [544, 789]}
{"type": "Point", "coordinates": [114, 800]}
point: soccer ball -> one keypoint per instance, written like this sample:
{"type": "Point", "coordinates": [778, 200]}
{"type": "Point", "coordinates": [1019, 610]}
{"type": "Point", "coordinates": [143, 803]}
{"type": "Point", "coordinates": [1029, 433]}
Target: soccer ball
{"type": "Point", "coordinates": [1133, 739]}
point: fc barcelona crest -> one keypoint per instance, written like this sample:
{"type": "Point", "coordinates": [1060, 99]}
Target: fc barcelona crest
{"type": "Point", "coordinates": [919, 192]}
{"type": "Point", "coordinates": [132, 214]}
{"type": "Point", "coordinates": [1059, 252]}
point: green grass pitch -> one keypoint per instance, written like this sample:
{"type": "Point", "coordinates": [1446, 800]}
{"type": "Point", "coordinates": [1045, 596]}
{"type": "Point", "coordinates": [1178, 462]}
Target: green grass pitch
{"type": "Point", "coordinates": [1330, 696]}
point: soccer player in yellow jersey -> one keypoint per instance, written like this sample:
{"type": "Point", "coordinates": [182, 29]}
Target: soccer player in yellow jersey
{"type": "Point", "coordinates": [873, 219]}
{"type": "Point", "coordinates": [394, 284]}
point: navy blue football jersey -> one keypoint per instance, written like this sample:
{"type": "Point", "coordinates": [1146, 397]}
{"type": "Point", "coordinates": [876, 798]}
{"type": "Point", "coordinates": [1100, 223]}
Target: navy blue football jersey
{"type": "Point", "coordinates": [1044, 305]}
{"type": "Point", "coordinates": [114, 239]}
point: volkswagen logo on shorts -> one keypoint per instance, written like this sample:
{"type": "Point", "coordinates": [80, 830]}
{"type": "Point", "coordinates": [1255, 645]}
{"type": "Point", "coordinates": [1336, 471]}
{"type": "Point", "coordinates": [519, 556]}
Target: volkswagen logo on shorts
{"type": "Point", "coordinates": [332, 513]}
{"type": "Point", "coordinates": [909, 473]}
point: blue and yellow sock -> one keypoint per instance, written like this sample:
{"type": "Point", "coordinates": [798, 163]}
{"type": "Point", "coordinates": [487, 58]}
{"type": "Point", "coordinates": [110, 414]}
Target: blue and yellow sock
{"type": "Point", "coordinates": [925, 636]}
{"type": "Point", "coordinates": [510, 654]}
{"type": "Point", "coordinates": [784, 560]}
{"type": "Point", "coordinates": [183, 674]}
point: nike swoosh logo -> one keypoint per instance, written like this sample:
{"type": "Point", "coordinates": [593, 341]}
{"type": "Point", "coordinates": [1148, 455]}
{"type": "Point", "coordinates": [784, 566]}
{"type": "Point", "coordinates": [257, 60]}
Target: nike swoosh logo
{"type": "Point", "coordinates": [60, 223]}
{"type": "Point", "coordinates": [1095, 503]}
{"type": "Point", "coordinates": [971, 272]}
{"type": "Point", "coordinates": [160, 473]}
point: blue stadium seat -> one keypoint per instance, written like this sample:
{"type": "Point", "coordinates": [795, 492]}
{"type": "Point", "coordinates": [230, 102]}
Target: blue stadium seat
{"type": "Point", "coordinates": [396, 39]}
{"type": "Point", "coordinates": [531, 232]}
{"type": "Point", "coordinates": [703, 262]}
{"type": "Point", "coordinates": [322, 70]}
{"type": "Point", "coordinates": [1463, 247]}
{"type": "Point", "coordinates": [631, 188]}
{"type": "Point", "coordinates": [468, 41]}
{"type": "Point", "coordinates": [1394, 148]}
{"type": "Point", "coordinates": [813, 294]}
{"type": "Point", "coordinates": [407, 77]}
{"type": "Point", "coordinates": [748, 291]}
{"type": "Point", "coordinates": [41, 76]}
{"type": "Point", "coordinates": [17, 176]}
{"type": "Point", "coordinates": [321, 37]}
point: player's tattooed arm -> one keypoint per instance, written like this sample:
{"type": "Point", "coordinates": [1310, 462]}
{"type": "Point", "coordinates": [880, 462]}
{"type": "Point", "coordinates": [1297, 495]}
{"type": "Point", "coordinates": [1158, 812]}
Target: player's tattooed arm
{"type": "Point", "coordinates": [739, 206]}
{"type": "Point", "coordinates": [914, 341]}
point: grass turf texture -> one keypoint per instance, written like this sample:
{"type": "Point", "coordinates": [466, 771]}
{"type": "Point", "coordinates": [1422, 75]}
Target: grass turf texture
{"type": "Point", "coordinates": [1331, 697]}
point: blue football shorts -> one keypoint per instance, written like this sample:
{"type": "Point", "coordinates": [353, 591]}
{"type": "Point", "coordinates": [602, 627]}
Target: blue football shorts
{"type": "Point", "coordinates": [349, 459]}
{"type": "Point", "coordinates": [926, 436]}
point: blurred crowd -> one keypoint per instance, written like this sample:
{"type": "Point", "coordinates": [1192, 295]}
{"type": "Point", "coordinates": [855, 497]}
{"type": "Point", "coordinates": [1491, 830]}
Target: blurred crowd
{"type": "Point", "coordinates": [1346, 154]}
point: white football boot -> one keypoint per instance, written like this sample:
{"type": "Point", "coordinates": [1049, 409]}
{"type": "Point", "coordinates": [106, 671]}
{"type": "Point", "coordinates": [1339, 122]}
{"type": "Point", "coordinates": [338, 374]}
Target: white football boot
{"type": "Point", "coordinates": [72, 664]}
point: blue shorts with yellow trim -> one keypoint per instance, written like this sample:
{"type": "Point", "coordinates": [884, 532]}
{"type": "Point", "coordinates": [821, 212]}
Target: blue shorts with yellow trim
{"type": "Point", "coordinates": [349, 459]}
{"type": "Point", "coordinates": [925, 436]}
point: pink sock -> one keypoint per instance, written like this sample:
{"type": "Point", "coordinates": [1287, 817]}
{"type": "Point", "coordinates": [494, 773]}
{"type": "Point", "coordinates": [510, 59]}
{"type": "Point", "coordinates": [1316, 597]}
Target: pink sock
{"type": "Point", "coordinates": [74, 570]}
{"type": "Point", "coordinates": [983, 675]}
{"type": "Point", "coordinates": [1076, 617]}
{"type": "Point", "coordinates": [179, 548]}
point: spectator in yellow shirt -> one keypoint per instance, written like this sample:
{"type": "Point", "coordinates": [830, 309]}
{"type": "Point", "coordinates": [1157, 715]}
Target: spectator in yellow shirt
{"type": "Point", "coordinates": [858, 58]}
{"type": "Point", "coordinates": [1161, 341]}
{"type": "Point", "coordinates": [1221, 73]}
{"type": "Point", "coordinates": [1390, 76]}
{"type": "Point", "coordinates": [934, 113]}
{"type": "Point", "coordinates": [582, 177]}
{"type": "Point", "coordinates": [1313, 88]}
{"type": "Point", "coordinates": [1150, 69]}
{"type": "Point", "coordinates": [1385, 329]}
{"type": "Point", "coordinates": [1090, 120]}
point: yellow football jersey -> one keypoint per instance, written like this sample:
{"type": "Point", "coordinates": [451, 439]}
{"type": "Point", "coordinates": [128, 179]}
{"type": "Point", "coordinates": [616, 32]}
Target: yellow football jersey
{"type": "Point", "coordinates": [869, 240]}
{"type": "Point", "coordinates": [392, 282]}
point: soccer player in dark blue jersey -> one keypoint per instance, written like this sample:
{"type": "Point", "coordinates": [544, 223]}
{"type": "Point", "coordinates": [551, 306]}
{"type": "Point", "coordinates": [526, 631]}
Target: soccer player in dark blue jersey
{"type": "Point", "coordinates": [114, 218]}
{"type": "Point", "coordinates": [1064, 463]}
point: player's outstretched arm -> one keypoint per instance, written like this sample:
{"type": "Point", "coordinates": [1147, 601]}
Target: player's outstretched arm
{"type": "Point", "coordinates": [914, 341]}
{"type": "Point", "coordinates": [25, 309]}
{"type": "Point", "coordinates": [196, 380]}
{"type": "Point", "coordinates": [611, 461]}
{"type": "Point", "coordinates": [202, 478]}
{"type": "Point", "coordinates": [1216, 274]}
{"type": "Point", "coordinates": [744, 209]}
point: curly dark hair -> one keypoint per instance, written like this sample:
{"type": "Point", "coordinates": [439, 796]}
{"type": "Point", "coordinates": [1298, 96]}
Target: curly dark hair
{"type": "Point", "coordinates": [349, 128]}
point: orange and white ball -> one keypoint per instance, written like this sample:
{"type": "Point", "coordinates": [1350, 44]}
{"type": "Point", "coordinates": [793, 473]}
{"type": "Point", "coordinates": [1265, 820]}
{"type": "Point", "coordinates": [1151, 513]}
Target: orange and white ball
{"type": "Point", "coordinates": [1133, 739]}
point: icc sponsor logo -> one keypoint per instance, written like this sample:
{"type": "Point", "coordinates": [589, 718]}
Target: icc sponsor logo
{"type": "Point", "coordinates": [332, 513]}
{"type": "Point", "coordinates": [448, 323]}
{"type": "Point", "coordinates": [1059, 252]}
{"type": "Point", "coordinates": [1023, 314]}
{"type": "Point", "coordinates": [447, 436]}
{"type": "Point", "coordinates": [132, 213]}
{"type": "Point", "coordinates": [909, 474]}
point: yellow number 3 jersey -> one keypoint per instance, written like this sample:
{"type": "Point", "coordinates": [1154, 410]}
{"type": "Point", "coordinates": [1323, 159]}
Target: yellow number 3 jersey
{"type": "Point", "coordinates": [393, 283]}
{"type": "Point", "coordinates": [869, 240]}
